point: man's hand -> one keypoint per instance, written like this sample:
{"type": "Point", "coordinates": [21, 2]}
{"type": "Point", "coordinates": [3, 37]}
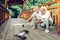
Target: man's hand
{"type": "Point", "coordinates": [38, 21]}
{"type": "Point", "coordinates": [27, 21]}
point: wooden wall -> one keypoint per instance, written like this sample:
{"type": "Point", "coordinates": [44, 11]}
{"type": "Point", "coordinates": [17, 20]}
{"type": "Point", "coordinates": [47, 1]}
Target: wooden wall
{"type": "Point", "coordinates": [59, 16]}
{"type": "Point", "coordinates": [4, 14]}
{"type": "Point", "coordinates": [26, 14]}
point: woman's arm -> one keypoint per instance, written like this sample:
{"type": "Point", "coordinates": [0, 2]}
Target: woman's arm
{"type": "Point", "coordinates": [29, 19]}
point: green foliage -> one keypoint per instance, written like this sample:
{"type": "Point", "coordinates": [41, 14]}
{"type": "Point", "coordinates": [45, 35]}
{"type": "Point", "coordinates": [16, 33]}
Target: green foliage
{"type": "Point", "coordinates": [15, 10]}
{"type": "Point", "coordinates": [31, 3]}
{"type": "Point", "coordinates": [28, 5]}
{"type": "Point", "coordinates": [53, 5]}
{"type": "Point", "coordinates": [2, 1]}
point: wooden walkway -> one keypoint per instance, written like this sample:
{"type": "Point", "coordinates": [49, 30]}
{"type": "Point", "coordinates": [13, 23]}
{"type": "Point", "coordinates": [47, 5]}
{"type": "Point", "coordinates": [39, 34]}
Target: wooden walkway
{"type": "Point", "coordinates": [35, 34]}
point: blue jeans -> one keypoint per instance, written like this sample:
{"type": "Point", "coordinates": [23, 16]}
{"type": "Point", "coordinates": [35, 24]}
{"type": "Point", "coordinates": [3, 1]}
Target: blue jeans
{"type": "Point", "coordinates": [44, 24]}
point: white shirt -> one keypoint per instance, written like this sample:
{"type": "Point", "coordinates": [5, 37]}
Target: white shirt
{"type": "Point", "coordinates": [37, 14]}
{"type": "Point", "coordinates": [46, 16]}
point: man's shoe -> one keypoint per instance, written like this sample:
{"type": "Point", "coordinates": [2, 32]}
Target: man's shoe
{"type": "Point", "coordinates": [25, 31]}
{"type": "Point", "coordinates": [20, 37]}
{"type": "Point", "coordinates": [47, 31]}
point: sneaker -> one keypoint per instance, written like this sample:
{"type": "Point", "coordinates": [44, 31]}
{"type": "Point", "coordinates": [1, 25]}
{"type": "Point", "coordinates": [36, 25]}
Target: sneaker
{"type": "Point", "coordinates": [25, 31]}
{"type": "Point", "coordinates": [46, 30]}
{"type": "Point", "coordinates": [20, 37]}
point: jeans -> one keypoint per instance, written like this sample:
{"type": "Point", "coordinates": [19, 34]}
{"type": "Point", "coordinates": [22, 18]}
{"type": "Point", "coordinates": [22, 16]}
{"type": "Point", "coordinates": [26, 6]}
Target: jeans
{"type": "Point", "coordinates": [43, 24]}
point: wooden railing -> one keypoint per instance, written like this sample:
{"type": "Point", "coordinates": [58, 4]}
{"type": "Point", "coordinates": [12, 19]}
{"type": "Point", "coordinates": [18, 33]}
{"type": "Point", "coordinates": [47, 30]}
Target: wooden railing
{"type": "Point", "coordinates": [26, 14]}
{"type": "Point", "coordinates": [4, 14]}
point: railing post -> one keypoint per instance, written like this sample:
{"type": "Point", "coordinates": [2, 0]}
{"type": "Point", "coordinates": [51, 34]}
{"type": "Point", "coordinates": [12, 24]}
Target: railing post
{"type": "Point", "coordinates": [58, 16]}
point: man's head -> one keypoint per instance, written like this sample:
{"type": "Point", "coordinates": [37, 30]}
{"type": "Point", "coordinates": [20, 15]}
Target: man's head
{"type": "Point", "coordinates": [36, 9]}
{"type": "Point", "coordinates": [43, 9]}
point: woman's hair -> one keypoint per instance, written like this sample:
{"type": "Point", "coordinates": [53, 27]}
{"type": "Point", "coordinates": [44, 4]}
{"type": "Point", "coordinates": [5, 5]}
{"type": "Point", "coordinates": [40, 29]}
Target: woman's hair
{"type": "Point", "coordinates": [43, 7]}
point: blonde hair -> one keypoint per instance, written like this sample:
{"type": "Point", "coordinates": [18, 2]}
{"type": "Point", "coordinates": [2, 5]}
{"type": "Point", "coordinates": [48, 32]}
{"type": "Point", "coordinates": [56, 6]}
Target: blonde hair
{"type": "Point", "coordinates": [43, 7]}
{"type": "Point", "coordinates": [35, 7]}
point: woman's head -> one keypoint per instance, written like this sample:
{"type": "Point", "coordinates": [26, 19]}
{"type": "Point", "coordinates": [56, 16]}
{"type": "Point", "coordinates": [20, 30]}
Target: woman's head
{"type": "Point", "coordinates": [43, 9]}
{"type": "Point", "coordinates": [36, 9]}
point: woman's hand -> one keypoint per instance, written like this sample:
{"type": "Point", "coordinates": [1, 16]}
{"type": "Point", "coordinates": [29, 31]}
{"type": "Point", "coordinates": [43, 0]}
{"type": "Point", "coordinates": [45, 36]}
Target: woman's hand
{"type": "Point", "coordinates": [27, 21]}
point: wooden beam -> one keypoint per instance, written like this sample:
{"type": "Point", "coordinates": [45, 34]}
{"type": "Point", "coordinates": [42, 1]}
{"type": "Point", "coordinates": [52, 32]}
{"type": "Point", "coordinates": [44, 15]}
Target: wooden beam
{"type": "Point", "coordinates": [58, 16]}
{"type": "Point", "coordinates": [47, 6]}
{"type": "Point", "coordinates": [6, 3]}
{"type": "Point", "coordinates": [51, 2]}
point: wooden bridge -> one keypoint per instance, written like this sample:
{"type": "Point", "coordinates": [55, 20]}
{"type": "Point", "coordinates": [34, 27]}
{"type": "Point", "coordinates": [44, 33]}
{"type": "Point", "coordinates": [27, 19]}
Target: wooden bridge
{"type": "Point", "coordinates": [10, 30]}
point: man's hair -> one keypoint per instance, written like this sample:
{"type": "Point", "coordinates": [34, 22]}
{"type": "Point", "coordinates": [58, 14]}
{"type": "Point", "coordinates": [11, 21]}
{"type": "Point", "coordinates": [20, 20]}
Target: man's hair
{"type": "Point", "coordinates": [43, 7]}
{"type": "Point", "coordinates": [35, 7]}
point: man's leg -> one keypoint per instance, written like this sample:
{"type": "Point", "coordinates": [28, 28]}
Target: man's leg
{"type": "Point", "coordinates": [50, 23]}
{"type": "Point", "coordinates": [35, 26]}
{"type": "Point", "coordinates": [43, 25]}
{"type": "Point", "coordinates": [33, 20]}
{"type": "Point", "coordinates": [47, 27]}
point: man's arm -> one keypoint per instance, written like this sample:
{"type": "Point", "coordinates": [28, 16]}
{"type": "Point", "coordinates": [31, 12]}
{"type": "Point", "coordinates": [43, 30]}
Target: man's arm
{"type": "Point", "coordinates": [38, 21]}
{"type": "Point", "coordinates": [46, 17]}
{"type": "Point", "coordinates": [29, 19]}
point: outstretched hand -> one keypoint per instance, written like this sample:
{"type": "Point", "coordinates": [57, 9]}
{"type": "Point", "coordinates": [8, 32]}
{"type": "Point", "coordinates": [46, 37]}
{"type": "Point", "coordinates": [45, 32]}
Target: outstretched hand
{"type": "Point", "coordinates": [27, 21]}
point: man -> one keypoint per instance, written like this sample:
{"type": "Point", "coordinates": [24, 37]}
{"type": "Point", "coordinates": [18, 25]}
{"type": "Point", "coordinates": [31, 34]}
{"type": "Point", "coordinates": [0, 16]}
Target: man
{"type": "Point", "coordinates": [44, 18]}
{"type": "Point", "coordinates": [35, 16]}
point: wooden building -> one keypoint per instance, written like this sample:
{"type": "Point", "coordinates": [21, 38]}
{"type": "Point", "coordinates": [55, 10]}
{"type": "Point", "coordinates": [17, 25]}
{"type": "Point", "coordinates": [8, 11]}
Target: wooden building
{"type": "Point", "coordinates": [10, 26]}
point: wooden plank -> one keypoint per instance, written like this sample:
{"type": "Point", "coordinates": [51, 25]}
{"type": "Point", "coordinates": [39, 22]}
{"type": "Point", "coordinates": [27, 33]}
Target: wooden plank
{"type": "Point", "coordinates": [51, 2]}
{"type": "Point", "coordinates": [4, 33]}
{"type": "Point", "coordinates": [42, 35]}
{"type": "Point", "coordinates": [3, 27]}
{"type": "Point", "coordinates": [34, 34]}
{"type": "Point", "coordinates": [59, 16]}
{"type": "Point", "coordinates": [48, 35]}
{"type": "Point", "coordinates": [9, 35]}
{"type": "Point", "coordinates": [25, 14]}
{"type": "Point", "coordinates": [6, 5]}
{"type": "Point", "coordinates": [38, 33]}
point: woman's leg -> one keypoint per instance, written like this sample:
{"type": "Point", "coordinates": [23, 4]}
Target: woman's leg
{"type": "Point", "coordinates": [43, 25]}
{"type": "Point", "coordinates": [33, 20]}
